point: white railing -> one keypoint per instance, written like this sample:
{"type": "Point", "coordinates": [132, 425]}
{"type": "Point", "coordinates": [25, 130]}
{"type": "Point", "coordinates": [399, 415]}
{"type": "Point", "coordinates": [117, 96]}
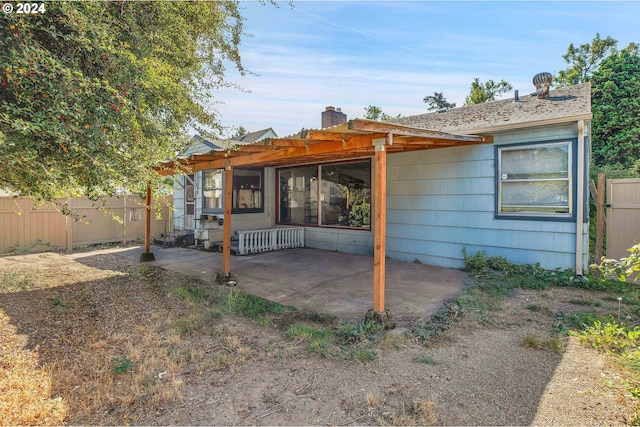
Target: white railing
{"type": "Point", "coordinates": [273, 239]}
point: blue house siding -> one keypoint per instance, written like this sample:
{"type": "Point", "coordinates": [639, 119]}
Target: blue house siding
{"type": "Point", "coordinates": [441, 201]}
{"type": "Point", "coordinates": [339, 240]}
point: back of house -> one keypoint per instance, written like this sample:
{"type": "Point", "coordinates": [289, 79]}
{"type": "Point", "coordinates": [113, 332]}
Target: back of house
{"type": "Point", "coordinates": [522, 197]}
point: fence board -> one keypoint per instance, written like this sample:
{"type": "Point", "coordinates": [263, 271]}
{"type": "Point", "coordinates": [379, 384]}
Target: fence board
{"type": "Point", "coordinates": [623, 216]}
{"type": "Point", "coordinates": [25, 229]}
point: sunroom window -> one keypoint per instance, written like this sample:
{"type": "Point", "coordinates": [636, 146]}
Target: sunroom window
{"type": "Point", "coordinates": [535, 180]}
{"type": "Point", "coordinates": [337, 194]}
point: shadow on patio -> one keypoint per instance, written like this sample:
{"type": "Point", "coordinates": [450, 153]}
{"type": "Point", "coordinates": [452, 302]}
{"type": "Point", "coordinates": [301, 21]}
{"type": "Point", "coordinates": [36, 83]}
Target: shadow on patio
{"type": "Point", "coordinates": [326, 282]}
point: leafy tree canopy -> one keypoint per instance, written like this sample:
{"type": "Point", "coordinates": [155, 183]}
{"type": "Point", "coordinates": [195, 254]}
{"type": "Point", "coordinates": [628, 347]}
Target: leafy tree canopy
{"type": "Point", "coordinates": [239, 133]}
{"type": "Point", "coordinates": [486, 92]}
{"type": "Point", "coordinates": [584, 60]}
{"type": "Point", "coordinates": [373, 112]}
{"type": "Point", "coordinates": [93, 94]}
{"type": "Point", "coordinates": [616, 110]}
{"type": "Point", "coordinates": [438, 101]}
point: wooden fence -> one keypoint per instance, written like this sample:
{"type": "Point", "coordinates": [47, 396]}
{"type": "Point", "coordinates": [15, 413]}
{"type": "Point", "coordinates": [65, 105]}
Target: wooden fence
{"type": "Point", "coordinates": [623, 216]}
{"type": "Point", "coordinates": [23, 229]}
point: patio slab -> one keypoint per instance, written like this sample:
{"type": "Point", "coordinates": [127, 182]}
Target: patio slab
{"type": "Point", "coordinates": [323, 281]}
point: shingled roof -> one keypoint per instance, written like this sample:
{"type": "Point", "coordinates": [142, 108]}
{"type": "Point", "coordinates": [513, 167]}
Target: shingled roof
{"type": "Point", "coordinates": [566, 104]}
{"type": "Point", "coordinates": [252, 137]}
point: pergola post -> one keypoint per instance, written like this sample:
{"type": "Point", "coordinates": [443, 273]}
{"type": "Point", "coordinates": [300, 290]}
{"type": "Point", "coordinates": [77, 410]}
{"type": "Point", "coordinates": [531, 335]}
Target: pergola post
{"type": "Point", "coordinates": [226, 237]}
{"type": "Point", "coordinates": [147, 255]}
{"type": "Point", "coordinates": [226, 277]}
{"type": "Point", "coordinates": [379, 314]}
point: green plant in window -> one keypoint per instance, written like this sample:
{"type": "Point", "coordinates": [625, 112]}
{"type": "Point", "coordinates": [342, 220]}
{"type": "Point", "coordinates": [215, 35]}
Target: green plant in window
{"type": "Point", "coordinates": [360, 209]}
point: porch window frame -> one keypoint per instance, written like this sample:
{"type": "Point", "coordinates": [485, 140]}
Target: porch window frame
{"type": "Point", "coordinates": [237, 187]}
{"type": "Point", "coordinates": [221, 189]}
{"type": "Point", "coordinates": [206, 210]}
{"type": "Point", "coordinates": [318, 168]}
{"type": "Point", "coordinates": [572, 144]}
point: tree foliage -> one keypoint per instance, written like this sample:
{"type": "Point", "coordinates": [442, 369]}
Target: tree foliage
{"type": "Point", "coordinates": [239, 133]}
{"type": "Point", "coordinates": [373, 112]}
{"type": "Point", "coordinates": [93, 94]}
{"type": "Point", "coordinates": [438, 101]}
{"type": "Point", "coordinates": [616, 110]}
{"type": "Point", "coordinates": [584, 60]}
{"type": "Point", "coordinates": [486, 92]}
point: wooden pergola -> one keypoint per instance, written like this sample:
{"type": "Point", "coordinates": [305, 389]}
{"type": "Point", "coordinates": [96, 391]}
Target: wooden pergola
{"type": "Point", "coordinates": [357, 138]}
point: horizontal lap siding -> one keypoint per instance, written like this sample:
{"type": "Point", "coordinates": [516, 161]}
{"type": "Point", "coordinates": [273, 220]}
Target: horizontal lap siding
{"type": "Point", "coordinates": [441, 201]}
{"type": "Point", "coordinates": [339, 240]}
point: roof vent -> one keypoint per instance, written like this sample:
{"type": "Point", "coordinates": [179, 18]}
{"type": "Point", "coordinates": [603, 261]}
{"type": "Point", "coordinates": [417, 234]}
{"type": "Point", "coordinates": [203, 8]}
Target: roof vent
{"type": "Point", "coordinates": [542, 82]}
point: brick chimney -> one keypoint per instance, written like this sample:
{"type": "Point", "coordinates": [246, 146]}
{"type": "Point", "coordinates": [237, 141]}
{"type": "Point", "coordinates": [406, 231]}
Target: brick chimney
{"type": "Point", "coordinates": [332, 116]}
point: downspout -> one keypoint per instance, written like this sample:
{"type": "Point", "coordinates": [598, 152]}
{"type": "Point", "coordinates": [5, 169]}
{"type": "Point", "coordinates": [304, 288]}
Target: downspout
{"type": "Point", "coordinates": [580, 199]}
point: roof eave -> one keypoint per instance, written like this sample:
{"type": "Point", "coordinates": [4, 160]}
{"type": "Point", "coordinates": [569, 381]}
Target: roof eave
{"type": "Point", "coordinates": [526, 125]}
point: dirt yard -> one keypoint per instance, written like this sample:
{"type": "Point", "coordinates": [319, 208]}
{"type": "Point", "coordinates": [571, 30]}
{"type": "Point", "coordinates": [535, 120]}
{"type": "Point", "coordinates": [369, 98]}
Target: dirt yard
{"type": "Point", "coordinates": [93, 338]}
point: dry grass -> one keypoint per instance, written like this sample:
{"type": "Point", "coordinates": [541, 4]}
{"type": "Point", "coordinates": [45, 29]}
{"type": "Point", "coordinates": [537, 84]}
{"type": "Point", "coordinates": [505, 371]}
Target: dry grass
{"type": "Point", "coordinates": [420, 413]}
{"type": "Point", "coordinates": [25, 386]}
{"type": "Point", "coordinates": [555, 344]}
{"type": "Point", "coordinates": [67, 327]}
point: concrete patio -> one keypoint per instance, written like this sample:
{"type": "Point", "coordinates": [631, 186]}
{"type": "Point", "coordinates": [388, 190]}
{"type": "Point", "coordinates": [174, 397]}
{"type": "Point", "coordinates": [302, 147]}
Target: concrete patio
{"type": "Point", "coordinates": [326, 282]}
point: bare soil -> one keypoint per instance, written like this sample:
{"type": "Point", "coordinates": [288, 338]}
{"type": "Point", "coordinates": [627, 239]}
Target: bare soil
{"type": "Point", "coordinates": [84, 315]}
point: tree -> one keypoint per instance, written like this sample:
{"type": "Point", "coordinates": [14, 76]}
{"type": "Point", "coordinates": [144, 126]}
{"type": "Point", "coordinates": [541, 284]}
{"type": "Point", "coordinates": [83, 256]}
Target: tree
{"type": "Point", "coordinates": [239, 133]}
{"type": "Point", "coordinates": [438, 101]}
{"type": "Point", "coordinates": [485, 92]}
{"type": "Point", "coordinates": [373, 112]}
{"type": "Point", "coordinates": [584, 60]}
{"type": "Point", "coordinates": [615, 102]}
{"type": "Point", "coordinates": [94, 94]}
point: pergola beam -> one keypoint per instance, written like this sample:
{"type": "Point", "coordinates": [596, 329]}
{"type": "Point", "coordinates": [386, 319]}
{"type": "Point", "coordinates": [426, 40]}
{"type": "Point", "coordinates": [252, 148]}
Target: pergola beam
{"type": "Point", "coordinates": [399, 130]}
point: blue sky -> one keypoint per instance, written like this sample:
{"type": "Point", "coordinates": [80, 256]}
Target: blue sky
{"type": "Point", "coordinates": [392, 54]}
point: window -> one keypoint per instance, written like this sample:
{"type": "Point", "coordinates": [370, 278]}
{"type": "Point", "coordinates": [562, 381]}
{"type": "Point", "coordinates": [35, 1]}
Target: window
{"type": "Point", "coordinates": [535, 180]}
{"type": "Point", "coordinates": [213, 190]}
{"type": "Point", "coordinates": [247, 190]}
{"type": "Point", "coordinates": [337, 195]}
{"type": "Point", "coordinates": [189, 194]}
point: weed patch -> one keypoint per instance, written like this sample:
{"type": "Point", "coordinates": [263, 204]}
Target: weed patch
{"type": "Point", "coordinates": [362, 331]}
{"type": "Point", "coordinates": [423, 358]}
{"type": "Point", "coordinates": [585, 302]}
{"type": "Point", "coordinates": [15, 281]}
{"type": "Point", "coordinates": [553, 343]}
{"type": "Point", "coordinates": [362, 353]}
{"type": "Point", "coordinates": [123, 365]}
{"type": "Point", "coordinates": [419, 413]}
{"type": "Point", "coordinates": [251, 306]}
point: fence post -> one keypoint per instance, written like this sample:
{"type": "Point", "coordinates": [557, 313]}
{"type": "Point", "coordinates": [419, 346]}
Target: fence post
{"type": "Point", "coordinates": [600, 218]}
{"type": "Point", "coordinates": [124, 220]}
{"type": "Point", "coordinates": [69, 228]}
